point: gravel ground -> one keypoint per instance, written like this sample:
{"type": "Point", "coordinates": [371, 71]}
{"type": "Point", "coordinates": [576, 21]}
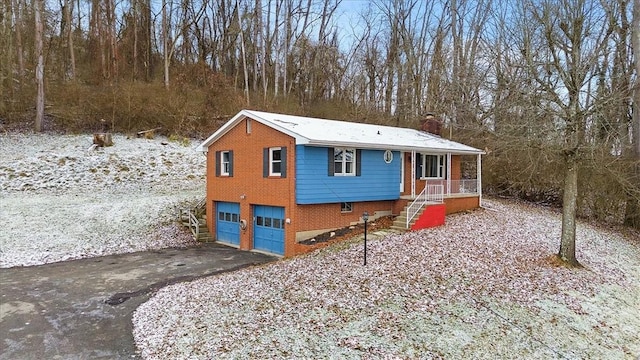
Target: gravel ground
{"type": "Point", "coordinates": [59, 200]}
{"type": "Point", "coordinates": [483, 286]}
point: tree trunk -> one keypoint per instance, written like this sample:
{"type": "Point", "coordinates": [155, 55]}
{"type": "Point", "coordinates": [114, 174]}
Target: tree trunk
{"type": "Point", "coordinates": [632, 211]}
{"type": "Point", "coordinates": [569, 204]}
{"type": "Point", "coordinates": [69, 22]}
{"type": "Point", "coordinates": [165, 44]}
{"type": "Point", "coordinates": [19, 13]}
{"type": "Point", "coordinates": [244, 55]}
{"type": "Point", "coordinates": [134, 6]}
{"type": "Point", "coordinates": [40, 66]}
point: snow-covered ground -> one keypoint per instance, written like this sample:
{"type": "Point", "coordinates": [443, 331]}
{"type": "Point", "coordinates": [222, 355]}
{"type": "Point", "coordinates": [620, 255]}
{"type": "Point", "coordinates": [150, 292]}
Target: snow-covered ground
{"type": "Point", "coordinates": [483, 286]}
{"type": "Point", "coordinates": [59, 200]}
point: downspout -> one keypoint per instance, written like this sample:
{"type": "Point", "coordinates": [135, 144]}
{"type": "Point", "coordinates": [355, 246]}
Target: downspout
{"type": "Point", "coordinates": [479, 179]}
{"type": "Point", "coordinates": [448, 173]}
{"type": "Point", "coordinates": [413, 174]}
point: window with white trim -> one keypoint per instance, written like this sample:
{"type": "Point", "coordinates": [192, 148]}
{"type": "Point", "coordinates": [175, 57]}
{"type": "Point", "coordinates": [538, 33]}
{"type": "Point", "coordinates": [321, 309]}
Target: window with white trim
{"type": "Point", "coordinates": [275, 161]}
{"type": "Point", "coordinates": [225, 163]}
{"type": "Point", "coordinates": [346, 207]}
{"type": "Point", "coordinates": [432, 166]}
{"type": "Point", "coordinates": [344, 161]}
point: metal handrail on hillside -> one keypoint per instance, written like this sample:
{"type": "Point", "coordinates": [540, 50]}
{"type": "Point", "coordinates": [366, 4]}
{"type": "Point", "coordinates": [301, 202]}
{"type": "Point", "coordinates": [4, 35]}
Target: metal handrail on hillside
{"type": "Point", "coordinates": [431, 193]}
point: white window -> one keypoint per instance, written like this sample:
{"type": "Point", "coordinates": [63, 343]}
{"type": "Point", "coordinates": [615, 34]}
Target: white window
{"type": "Point", "coordinates": [346, 207]}
{"type": "Point", "coordinates": [225, 163]}
{"type": "Point", "coordinates": [275, 161]}
{"type": "Point", "coordinates": [344, 160]}
{"type": "Point", "coordinates": [432, 166]}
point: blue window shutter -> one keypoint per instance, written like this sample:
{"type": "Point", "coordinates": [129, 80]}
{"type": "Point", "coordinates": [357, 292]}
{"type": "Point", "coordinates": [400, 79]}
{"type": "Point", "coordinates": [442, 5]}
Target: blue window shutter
{"type": "Point", "coordinates": [231, 163]}
{"type": "Point", "coordinates": [418, 165]}
{"type": "Point", "coordinates": [331, 154]}
{"type": "Point", "coordinates": [265, 162]}
{"type": "Point", "coordinates": [217, 163]}
{"type": "Point", "coordinates": [358, 162]}
{"type": "Point", "coordinates": [283, 165]}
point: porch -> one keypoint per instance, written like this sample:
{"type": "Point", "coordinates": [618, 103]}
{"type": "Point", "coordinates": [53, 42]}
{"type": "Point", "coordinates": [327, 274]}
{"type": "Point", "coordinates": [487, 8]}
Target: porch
{"type": "Point", "coordinates": [437, 185]}
{"type": "Point", "coordinates": [437, 199]}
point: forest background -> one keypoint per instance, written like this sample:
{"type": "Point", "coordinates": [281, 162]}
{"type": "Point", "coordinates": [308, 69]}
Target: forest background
{"type": "Point", "coordinates": [548, 88]}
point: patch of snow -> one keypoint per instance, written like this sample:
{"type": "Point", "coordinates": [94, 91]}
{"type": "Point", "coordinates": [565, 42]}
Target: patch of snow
{"type": "Point", "coordinates": [482, 286]}
{"type": "Point", "coordinates": [60, 201]}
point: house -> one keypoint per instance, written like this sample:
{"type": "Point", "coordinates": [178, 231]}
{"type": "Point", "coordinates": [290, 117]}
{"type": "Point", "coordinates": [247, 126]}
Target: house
{"type": "Point", "coordinates": [274, 180]}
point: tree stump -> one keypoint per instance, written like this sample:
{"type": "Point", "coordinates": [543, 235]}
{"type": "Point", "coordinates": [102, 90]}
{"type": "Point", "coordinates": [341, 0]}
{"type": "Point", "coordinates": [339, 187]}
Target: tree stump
{"type": "Point", "coordinates": [103, 139]}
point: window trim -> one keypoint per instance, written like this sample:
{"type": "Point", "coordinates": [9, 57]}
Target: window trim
{"type": "Point", "coordinates": [344, 161]}
{"type": "Point", "coordinates": [441, 167]}
{"type": "Point", "coordinates": [223, 162]}
{"type": "Point", "coordinates": [346, 207]}
{"type": "Point", "coordinates": [272, 161]}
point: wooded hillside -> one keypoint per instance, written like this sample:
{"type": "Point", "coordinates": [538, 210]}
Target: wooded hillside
{"type": "Point", "coordinates": [548, 87]}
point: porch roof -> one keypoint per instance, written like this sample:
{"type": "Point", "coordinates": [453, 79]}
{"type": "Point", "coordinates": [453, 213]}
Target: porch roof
{"type": "Point", "coordinates": [333, 133]}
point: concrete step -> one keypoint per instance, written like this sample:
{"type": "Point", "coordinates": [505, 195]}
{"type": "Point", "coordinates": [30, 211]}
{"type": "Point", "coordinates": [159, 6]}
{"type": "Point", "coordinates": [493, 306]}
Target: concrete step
{"type": "Point", "coordinates": [205, 237]}
{"type": "Point", "coordinates": [399, 228]}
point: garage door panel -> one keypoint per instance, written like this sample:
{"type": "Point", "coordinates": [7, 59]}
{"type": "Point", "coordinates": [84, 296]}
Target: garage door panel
{"type": "Point", "coordinates": [269, 229]}
{"type": "Point", "coordinates": [227, 222]}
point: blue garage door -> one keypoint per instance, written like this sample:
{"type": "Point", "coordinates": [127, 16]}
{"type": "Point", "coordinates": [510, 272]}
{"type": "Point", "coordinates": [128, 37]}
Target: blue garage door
{"type": "Point", "coordinates": [228, 222]}
{"type": "Point", "coordinates": [268, 225]}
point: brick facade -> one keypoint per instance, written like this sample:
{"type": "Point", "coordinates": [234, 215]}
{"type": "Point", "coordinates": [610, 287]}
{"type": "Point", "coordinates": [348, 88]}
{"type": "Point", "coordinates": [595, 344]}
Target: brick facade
{"type": "Point", "coordinates": [247, 186]}
{"type": "Point", "coordinates": [458, 204]}
{"type": "Point", "coordinates": [326, 216]}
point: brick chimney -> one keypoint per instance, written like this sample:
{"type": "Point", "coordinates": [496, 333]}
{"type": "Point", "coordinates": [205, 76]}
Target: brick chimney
{"type": "Point", "coordinates": [431, 124]}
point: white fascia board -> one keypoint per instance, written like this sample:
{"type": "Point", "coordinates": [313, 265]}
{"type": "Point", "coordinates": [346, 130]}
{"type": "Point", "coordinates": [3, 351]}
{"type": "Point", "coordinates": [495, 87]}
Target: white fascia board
{"type": "Point", "coordinates": [471, 151]}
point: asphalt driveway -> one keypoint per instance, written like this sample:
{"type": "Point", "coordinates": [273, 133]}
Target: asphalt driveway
{"type": "Point", "coordinates": [82, 309]}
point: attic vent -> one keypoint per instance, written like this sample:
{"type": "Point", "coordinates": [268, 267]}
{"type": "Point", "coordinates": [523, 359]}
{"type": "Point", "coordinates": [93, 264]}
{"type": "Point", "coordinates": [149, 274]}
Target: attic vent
{"type": "Point", "coordinates": [431, 124]}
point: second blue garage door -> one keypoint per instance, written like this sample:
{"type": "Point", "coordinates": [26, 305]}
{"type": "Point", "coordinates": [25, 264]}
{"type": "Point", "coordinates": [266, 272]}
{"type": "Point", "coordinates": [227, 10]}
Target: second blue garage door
{"type": "Point", "coordinates": [268, 225]}
{"type": "Point", "coordinates": [227, 222]}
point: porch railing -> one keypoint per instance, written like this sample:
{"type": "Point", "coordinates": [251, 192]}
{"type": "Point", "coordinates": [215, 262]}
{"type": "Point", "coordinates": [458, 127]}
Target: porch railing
{"type": "Point", "coordinates": [431, 193]}
{"type": "Point", "coordinates": [454, 187]}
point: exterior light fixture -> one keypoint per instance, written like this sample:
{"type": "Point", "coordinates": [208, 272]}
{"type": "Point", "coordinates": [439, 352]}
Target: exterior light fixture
{"type": "Point", "coordinates": [365, 218]}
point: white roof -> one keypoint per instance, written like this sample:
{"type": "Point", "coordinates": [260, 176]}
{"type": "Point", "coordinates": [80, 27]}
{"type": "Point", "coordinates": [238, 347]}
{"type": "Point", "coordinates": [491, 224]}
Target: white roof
{"type": "Point", "coordinates": [333, 133]}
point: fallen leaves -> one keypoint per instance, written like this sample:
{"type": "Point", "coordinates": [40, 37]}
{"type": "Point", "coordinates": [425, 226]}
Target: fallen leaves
{"type": "Point", "coordinates": [481, 286]}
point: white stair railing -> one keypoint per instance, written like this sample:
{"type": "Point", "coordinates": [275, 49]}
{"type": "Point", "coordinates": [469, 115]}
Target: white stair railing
{"type": "Point", "coordinates": [431, 193]}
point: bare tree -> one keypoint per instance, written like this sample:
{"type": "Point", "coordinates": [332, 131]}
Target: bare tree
{"type": "Point", "coordinates": [562, 48]}
{"type": "Point", "coordinates": [38, 8]}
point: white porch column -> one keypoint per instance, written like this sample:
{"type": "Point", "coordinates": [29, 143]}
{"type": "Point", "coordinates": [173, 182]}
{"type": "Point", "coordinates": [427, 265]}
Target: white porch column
{"type": "Point", "coordinates": [413, 174]}
{"type": "Point", "coordinates": [448, 173]}
{"type": "Point", "coordinates": [479, 177]}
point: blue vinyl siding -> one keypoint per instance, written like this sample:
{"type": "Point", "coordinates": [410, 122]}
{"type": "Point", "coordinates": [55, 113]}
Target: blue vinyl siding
{"type": "Point", "coordinates": [377, 181]}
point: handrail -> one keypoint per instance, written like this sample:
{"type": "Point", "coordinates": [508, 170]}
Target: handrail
{"type": "Point", "coordinates": [199, 207]}
{"type": "Point", "coordinates": [193, 214]}
{"type": "Point", "coordinates": [194, 223]}
{"type": "Point", "coordinates": [430, 193]}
